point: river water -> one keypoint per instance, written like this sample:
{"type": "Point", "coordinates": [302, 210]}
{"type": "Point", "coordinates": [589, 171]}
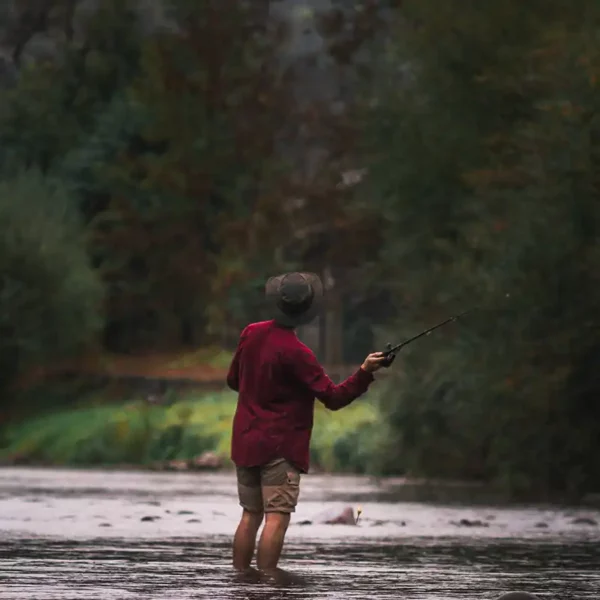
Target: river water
{"type": "Point", "coordinates": [78, 535]}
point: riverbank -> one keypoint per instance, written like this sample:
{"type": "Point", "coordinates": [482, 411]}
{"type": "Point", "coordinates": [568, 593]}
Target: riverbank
{"type": "Point", "coordinates": [124, 427]}
{"type": "Point", "coordinates": [190, 431]}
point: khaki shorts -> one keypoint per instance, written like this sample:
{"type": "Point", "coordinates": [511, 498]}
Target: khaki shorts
{"type": "Point", "coordinates": [273, 487]}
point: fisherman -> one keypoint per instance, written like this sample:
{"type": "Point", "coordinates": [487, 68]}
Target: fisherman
{"type": "Point", "coordinates": [278, 378]}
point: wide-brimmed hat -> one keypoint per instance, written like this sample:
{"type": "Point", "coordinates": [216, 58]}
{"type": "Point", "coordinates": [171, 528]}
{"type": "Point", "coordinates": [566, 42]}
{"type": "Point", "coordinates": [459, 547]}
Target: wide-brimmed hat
{"type": "Point", "coordinates": [296, 298]}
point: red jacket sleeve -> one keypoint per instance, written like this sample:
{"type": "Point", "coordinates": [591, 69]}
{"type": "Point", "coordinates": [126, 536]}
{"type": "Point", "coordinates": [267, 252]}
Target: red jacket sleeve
{"type": "Point", "coordinates": [310, 373]}
{"type": "Point", "coordinates": [233, 375]}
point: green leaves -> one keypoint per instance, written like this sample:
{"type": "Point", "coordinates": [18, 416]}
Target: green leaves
{"type": "Point", "coordinates": [488, 180]}
{"type": "Point", "coordinates": [50, 299]}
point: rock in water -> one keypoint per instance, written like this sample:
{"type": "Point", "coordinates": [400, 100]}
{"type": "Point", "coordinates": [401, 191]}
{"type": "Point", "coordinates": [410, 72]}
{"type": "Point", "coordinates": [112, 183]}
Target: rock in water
{"type": "Point", "coordinates": [469, 523]}
{"type": "Point", "coordinates": [585, 521]}
{"type": "Point", "coordinates": [336, 516]}
{"type": "Point", "coordinates": [208, 460]}
{"type": "Point", "coordinates": [518, 596]}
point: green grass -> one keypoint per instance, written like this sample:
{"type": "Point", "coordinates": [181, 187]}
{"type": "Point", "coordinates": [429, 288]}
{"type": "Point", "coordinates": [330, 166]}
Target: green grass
{"type": "Point", "coordinates": [135, 433]}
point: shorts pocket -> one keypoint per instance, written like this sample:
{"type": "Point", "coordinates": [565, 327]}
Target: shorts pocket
{"type": "Point", "coordinates": [293, 478]}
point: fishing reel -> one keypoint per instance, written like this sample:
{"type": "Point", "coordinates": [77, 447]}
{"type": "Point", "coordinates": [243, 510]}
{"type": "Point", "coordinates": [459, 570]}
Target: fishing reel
{"type": "Point", "coordinates": [390, 356]}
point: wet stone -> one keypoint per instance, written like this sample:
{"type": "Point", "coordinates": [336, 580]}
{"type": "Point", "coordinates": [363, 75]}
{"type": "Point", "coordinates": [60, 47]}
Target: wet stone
{"type": "Point", "coordinates": [585, 521]}
{"type": "Point", "coordinates": [337, 517]}
{"type": "Point", "coordinates": [470, 523]}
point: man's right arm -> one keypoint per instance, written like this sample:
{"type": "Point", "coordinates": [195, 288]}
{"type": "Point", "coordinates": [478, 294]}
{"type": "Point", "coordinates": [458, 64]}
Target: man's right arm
{"type": "Point", "coordinates": [233, 375]}
{"type": "Point", "coordinates": [307, 370]}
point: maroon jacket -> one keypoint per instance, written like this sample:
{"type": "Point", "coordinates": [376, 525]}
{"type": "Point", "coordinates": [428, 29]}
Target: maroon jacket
{"type": "Point", "coordinates": [278, 378]}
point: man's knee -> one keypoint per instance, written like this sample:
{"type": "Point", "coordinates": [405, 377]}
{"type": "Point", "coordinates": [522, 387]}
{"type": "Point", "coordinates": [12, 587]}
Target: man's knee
{"type": "Point", "coordinates": [277, 520]}
{"type": "Point", "coordinates": [280, 487]}
{"type": "Point", "coordinates": [252, 519]}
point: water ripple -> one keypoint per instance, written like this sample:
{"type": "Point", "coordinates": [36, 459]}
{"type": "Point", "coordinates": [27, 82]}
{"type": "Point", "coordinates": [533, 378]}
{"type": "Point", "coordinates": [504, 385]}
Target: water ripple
{"type": "Point", "coordinates": [77, 538]}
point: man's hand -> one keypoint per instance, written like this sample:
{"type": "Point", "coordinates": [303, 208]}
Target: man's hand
{"type": "Point", "coordinates": [373, 362]}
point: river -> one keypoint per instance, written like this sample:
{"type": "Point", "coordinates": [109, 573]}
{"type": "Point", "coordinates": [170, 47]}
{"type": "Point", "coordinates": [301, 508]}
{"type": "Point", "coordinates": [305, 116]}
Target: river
{"type": "Point", "coordinates": [78, 535]}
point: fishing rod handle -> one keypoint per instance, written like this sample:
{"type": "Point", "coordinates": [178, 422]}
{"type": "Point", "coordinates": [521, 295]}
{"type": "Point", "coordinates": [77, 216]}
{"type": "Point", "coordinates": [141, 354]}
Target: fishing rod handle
{"type": "Point", "coordinates": [390, 355]}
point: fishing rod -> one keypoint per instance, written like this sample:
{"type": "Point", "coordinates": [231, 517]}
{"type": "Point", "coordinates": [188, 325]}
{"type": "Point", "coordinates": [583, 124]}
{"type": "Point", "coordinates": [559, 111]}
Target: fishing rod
{"type": "Point", "coordinates": [391, 351]}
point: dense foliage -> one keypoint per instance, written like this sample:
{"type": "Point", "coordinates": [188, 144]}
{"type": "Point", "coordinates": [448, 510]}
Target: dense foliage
{"type": "Point", "coordinates": [50, 297]}
{"type": "Point", "coordinates": [196, 162]}
{"type": "Point", "coordinates": [490, 185]}
{"type": "Point", "coordinates": [135, 432]}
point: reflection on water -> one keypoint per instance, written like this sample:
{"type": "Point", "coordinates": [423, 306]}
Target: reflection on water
{"type": "Point", "coordinates": [117, 569]}
{"type": "Point", "coordinates": [78, 536]}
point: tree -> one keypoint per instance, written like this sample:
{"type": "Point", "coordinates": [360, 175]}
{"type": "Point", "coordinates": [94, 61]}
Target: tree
{"type": "Point", "coordinates": [55, 103]}
{"type": "Point", "coordinates": [488, 185]}
{"type": "Point", "coordinates": [50, 298]}
{"type": "Point", "coordinates": [186, 211]}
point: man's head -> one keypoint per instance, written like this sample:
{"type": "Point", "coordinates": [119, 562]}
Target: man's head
{"type": "Point", "coordinates": [296, 298]}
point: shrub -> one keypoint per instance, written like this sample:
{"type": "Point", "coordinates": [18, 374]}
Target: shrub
{"type": "Point", "coordinates": [50, 297]}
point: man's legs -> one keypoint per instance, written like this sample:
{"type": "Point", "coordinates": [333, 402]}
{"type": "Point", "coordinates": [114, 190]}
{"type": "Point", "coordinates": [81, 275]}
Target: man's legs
{"type": "Point", "coordinates": [244, 540]}
{"type": "Point", "coordinates": [271, 540]}
{"type": "Point", "coordinates": [280, 489]}
{"type": "Point", "coordinates": [250, 494]}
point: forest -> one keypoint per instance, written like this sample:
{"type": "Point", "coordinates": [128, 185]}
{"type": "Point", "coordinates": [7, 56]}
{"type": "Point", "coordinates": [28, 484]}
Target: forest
{"type": "Point", "coordinates": [427, 157]}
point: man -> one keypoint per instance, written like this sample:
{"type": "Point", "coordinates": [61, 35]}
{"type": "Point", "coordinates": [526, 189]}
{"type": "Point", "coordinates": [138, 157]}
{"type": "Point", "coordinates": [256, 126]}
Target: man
{"type": "Point", "coordinates": [278, 379]}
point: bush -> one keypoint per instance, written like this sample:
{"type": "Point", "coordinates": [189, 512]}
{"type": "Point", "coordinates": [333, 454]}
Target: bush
{"type": "Point", "coordinates": [50, 298]}
{"type": "Point", "coordinates": [135, 433]}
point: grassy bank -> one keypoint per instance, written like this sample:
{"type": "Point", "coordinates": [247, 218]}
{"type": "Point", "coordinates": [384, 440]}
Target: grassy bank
{"type": "Point", "coordinates": [138, 433]}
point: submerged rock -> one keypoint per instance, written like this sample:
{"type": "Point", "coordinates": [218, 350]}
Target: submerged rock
{"type": "Point", "coordinates": [469, 523]}
{"type": "Point", "coordinates": [585, 521]}
{"type": "Point", "coordinates": [379, 523]}
{"type": "Point", "coordinates": [518, 596]}
{"type": "Point", "coordinates": [149, 519]}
